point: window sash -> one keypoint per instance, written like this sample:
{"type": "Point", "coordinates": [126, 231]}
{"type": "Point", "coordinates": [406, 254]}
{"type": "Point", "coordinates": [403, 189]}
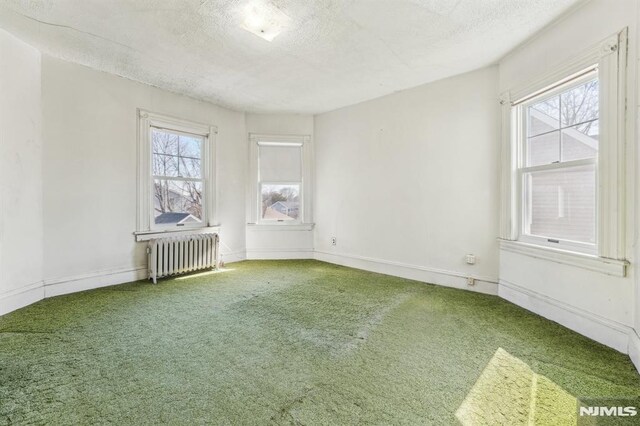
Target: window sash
{"type": "Point", "coordinates": [559, 86]}
{"type": "Point", "coordinates": [559, 165]}
{"type": "Point", "coordinates": [551, 240]}
{"type": "Point", "coordinates": [203, 179]}
{"type": "Point", "coordinates": [177, 178]}
{"type": "Point", "coordinates": [203, 205]}
{"type": "Point", "coordinates": [204, 200]}
{"type": "Point", "coordinates": [521, 126]}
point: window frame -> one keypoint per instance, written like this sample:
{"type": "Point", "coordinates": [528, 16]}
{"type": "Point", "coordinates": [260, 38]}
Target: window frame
{"type": "Point", "coordinates": [610, 55]}
{"type": "Point", "coordinates": [147, 121]}
{"type": "Point", "coordinates": [521, 147]}
{"type": "Point", "coordinates": [255, 205]}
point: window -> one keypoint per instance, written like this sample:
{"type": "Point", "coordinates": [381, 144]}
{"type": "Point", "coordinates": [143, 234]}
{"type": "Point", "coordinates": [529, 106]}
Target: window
{"type": "Point", "coordinates": [281, 179]}
{"type": "Point", "coordinates": [176, 186]}
{"type": "Point", "coordinates": [178, 179]}
{"type": "Point", "coordinates": [563, 180]}
{"type": "Point", "coordinates": [557, 171]}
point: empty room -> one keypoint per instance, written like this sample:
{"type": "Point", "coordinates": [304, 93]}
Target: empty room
{"type": "Point", "coordinates": [319, 212]}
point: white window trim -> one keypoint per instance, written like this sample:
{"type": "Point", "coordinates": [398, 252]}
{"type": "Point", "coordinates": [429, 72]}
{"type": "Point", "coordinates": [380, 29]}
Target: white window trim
{"type": "Point", "coordinates": [277, 227]}
{"type": "Point", "coordinates": [610, 56]}
{"type": "Point", "coordinates": [145, 227]}
{"type": "Point", "coordinates": [150, 235]}
{"type": "Point", "coordinates": [305, 218]}
{"type": "Point", "coordinates": [603, 265]}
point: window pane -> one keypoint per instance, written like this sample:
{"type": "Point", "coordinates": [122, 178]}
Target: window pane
{"type": "Point", "coordinates": [280, 202]}
{"type": "Point", "coordinates": [191, 146]}
{"type": "Point", "coordinates": [561, 204]}
{"type": "Point", "coordinates": [581, 141]}
{"type": "Point", "coordinates": [165, 165]}
{"type": "Point", "coordinates": [177, 202]}
{"type": "Point", "coordinates": [543, 116]}
{"type": "Point", "coordinates": [190, 167]}
{"type": "Point", "coordinates": [164, 142]}
{"type": "Point", "coordinates": [164, 153]}
{"type": "Point", "coordinates": [580, 104]}
{"type": "Point", "coordinates": [543, 149]}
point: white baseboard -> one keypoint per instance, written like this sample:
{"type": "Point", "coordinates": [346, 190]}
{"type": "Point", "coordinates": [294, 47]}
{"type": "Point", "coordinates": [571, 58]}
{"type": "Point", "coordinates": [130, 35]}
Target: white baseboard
{"type": "Point", "coordinates": [602, 330]}
{"type": "Point", "coordinates": [634, 349]}
{"type": "Point", "coordinates": [56, 287]}
{"type": "Point", "coordinates": [425, 274]}
{"type": "Point", "coordinates": [236, 256]}
{"type": "Point", "coordinates": [19, 298]}
{"type": "Point", "coordinates": [278, 254]}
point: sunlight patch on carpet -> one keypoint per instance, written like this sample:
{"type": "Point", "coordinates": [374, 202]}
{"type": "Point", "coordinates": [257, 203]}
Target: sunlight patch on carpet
{"type": "Point", "coordinates": [203, 274]}
{"type": "Point", "coordinates": [508, 391]}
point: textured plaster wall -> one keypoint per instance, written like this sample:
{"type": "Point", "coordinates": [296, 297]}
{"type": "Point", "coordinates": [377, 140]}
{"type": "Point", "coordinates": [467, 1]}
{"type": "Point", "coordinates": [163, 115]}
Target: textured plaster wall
{"type": "Point", "coordinates": [412, 178]}
{"type": "Point", "coordinates": [21, 233]}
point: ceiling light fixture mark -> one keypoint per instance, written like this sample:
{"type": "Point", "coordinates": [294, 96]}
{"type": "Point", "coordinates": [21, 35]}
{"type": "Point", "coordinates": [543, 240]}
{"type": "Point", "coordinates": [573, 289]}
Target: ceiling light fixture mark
{"type": "Point", "coordinates": [264, 19]}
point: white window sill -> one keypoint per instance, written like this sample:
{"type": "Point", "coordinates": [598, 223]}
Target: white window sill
{"type": "Point", "coordinates": [603, 265]}
{"type": "Point", "coordinates": [150, 235]}
{"type": "Point", "coordinates": [280, 226]}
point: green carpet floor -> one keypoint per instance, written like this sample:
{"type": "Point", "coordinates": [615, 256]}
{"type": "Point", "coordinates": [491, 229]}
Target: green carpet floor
{"type": "Point", "coordinates": [296, 342]}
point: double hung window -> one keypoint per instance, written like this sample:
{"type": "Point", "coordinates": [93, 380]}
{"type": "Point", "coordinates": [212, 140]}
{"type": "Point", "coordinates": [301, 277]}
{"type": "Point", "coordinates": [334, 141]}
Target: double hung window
{"type": "Point", "coordinates": [176, 185]}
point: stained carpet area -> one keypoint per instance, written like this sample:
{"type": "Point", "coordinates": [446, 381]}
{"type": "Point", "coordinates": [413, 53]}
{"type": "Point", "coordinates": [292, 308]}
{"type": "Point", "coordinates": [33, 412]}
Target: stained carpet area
{"type": "Point", "coordinates": [296, 342]}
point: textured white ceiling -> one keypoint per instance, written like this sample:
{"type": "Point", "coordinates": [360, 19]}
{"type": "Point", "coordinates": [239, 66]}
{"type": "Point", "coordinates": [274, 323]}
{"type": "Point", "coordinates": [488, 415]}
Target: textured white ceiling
{"type": "Point", "coordinates": [334, 52]}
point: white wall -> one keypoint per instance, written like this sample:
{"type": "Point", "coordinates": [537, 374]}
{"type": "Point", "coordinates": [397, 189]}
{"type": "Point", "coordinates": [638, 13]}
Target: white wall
{"type": "Point", "coordinates": [408, 183]}
{"type": "Point", "coordinates": [274, 242]}
{"type": "Point", "coordinates": [634, 344]}
{"type": "Point", "coordinates": [21, 174]}
{"type": "Point", "coordinates": [89, 173]}
{"type": "Point", "coordinates": [598, 305]}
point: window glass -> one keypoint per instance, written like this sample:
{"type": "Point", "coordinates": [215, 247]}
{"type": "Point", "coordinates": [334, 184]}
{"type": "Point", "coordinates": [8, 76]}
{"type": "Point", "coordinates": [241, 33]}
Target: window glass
{"type": "Point", "coordinates": [581, 141]}
{"type": "Point", "coordinates": [177, 201]}
{"type": "Point", "coordinates": [543, 116]}
{"type": "Point", "coordinates": [564, 127]}
{"type": "Point", "coordinates": [580, 104]}
{"type": "Point", "coordinates": [178, 178]}
{"type": "Point", "coordinates": [280, 202]}
{"type": "Point", "coordinates": [558, 200]}
{"type": "Point", "coordinates": [543, 149]}
{"type": "Point", "coordinates": [561, 204]}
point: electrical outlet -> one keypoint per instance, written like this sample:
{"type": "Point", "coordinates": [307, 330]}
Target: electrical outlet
{"type": "Point", "coordinates": [471, 281]}
{"type": "Point", "coordinates": [334, 241]}
{"type": "Point", "coordinates": [470, 259]}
